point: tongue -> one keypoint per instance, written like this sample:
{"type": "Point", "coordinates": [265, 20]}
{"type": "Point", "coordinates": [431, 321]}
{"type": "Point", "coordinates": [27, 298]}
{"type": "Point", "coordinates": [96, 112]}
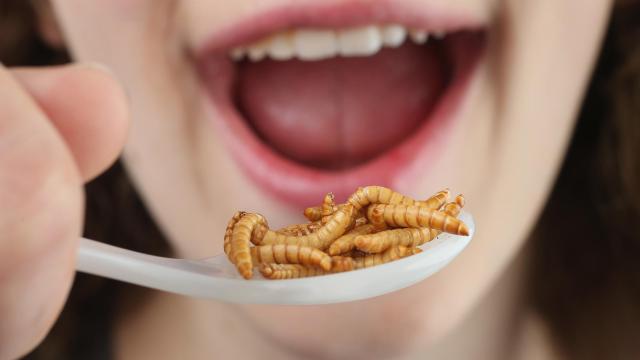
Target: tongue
{"type": "Point", "coordinates": [343, 111]}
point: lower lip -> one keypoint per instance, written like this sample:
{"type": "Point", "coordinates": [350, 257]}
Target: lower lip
{"type": "Point", "coordinates": [301, 186]}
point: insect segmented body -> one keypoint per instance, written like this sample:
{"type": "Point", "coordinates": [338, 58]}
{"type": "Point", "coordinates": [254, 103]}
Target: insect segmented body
{"type": "Point", "coordinates": [239, 252]}
{"type": "Point", "coordinates": [345, 242]}
{"type": "Point", "coordinates": [365, 196]}
{"type": "Point", "coordinates": [341, 263]}
{"type": "Point", "coordinates": [328, 207]}
{"type": "Point", "coordinates": [408, 237]}
{"type": "Point", "coordinates": [376, 225]}
{"type": "Point", "coordinates": [415, 216]}
{"type": "Point", "coordinates": [229, 230]}
{"type": "Point", "coordinates": [394, 253]}
{"type": "Point", "coordinates": [292, 271]}
{"type": "Point", "coordinates": [313, 213]}
{"type": "Point", "coordinates": [288, 271]}
{"type": "Point", "coordinates": [453, 208]}
{"type": "Point", "coordinates": [436, 201]}
{"type": "Point", "coordinates": [290, 254]}
{"type": "Point", "coordinates": [321, 239]}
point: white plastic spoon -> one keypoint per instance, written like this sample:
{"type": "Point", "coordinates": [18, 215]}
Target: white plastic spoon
{"type": "Point", "coordinates": [216, 278]}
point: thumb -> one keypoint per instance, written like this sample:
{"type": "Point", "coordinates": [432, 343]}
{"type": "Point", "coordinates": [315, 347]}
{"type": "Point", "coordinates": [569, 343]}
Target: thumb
{"type": "Point", "coordinates": [87, 106]}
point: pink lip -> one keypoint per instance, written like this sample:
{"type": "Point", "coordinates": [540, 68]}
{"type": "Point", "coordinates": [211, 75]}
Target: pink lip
{"type": "Point", "coordinates": [427, 17]}
{"type": "Point", "coordinates": [300, 185]}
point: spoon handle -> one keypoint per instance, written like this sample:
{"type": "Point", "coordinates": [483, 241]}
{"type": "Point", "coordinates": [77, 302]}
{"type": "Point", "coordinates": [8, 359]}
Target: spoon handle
{"type": "Point", "coordinates": [129, 266]}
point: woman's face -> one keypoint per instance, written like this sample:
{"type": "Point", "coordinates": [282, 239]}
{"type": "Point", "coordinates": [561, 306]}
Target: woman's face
{"type": "Point", "coordinates": [485, 107]}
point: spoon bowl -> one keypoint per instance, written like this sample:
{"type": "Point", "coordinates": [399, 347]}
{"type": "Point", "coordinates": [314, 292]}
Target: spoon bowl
{"type": "Point", "coordinates": [216, 278]}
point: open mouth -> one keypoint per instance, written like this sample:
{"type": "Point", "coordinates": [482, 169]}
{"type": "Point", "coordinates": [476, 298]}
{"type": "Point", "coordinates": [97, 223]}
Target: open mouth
{"type": "Point", "coordinates": [332, 98]}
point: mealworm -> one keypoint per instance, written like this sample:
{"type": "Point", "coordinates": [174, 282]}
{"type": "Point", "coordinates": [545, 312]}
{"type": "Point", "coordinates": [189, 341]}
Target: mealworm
{"type": "Point", "coordinates": [394, 253]}
{"type": "Point", "coordinates": [300, 229]}
{"type": "Point", "coordinates": [288, 271]}
{"type": "Point", "coordinates": [239, 252]}
{"type": "Point", "coordinates": [409, 237]}
{"type": "Point", "coordinates": [377, 195]}
{"type": "Point", "coordinates": [383, 240]}
{"type": "Point", "coordinates": [436, 201]}
{"type": "Point", "coordinates": [290, 254]}
{"type": "Point", "coordinates": [229, 230]}
{"type": "Point", "coordinates": [341, 263]}
{"type": "Point", "coordinates": [453, 208]}
{"type": "Point", "coordinates": [328, 207]}
{"type": "Point", "coordinates": [345, 242]}
{"type": "Point", "coordinates": [416, 216]}
{"type": "Point", "coordinates": [322, 238]}
{"type": "Point", "coordinates": [313, 213]}
{"type": "Point", "coordinates": [291, 271]}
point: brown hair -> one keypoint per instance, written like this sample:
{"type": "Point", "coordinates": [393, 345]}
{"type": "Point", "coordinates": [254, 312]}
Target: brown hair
{"type": "Point", "coordinates": [585, 271]}
{"type": "Point", "coordinates": [584, 278]}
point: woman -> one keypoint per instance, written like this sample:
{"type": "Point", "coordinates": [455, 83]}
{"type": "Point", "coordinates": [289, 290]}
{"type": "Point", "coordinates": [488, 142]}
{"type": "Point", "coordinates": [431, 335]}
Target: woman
{"type": "Point", "coordinates": [481, 96]}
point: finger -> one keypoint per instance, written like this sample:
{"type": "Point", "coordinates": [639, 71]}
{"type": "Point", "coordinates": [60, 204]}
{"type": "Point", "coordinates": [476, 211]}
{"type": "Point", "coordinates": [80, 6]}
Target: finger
{"type": "Point", "coordinates": [40, 220]}
{"type": "Point", "coordinates": [87, 106]}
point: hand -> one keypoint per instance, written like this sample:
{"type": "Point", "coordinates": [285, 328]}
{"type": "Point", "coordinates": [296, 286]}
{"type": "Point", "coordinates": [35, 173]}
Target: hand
{"type": "Point", "coordinates": [59, 127]}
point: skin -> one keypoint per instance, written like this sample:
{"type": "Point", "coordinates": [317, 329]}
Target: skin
{"type": "Point", "coordinates": [515, 129]}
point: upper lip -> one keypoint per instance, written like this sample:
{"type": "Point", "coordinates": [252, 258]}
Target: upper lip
{"type": "Point", "coordinates": [430, 17]}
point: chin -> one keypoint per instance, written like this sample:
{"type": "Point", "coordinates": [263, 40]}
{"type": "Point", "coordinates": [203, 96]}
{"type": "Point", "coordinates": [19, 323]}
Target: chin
{"type": "Point", "coordinates": [385, 327]}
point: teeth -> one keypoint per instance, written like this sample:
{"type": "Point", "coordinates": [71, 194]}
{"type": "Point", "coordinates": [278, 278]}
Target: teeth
{"type": "Point", "coordinates": [418, 36]}
{"type": "Point", "coordinates": [258, 51]}
{"type": "Point", "coordinates": [393, 35]}
{"type": "Point", "coordinates": [315, 44]}
{"type": "Point", "coordinates": [281, 47]}
{"type": "Point", "coordinates": [361, 41]}
{"type": "Point", "coordinates": [318, 44]}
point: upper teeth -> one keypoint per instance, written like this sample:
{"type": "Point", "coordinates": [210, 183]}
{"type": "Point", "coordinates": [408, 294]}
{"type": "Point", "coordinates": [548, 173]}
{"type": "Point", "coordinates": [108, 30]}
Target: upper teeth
{"type": "Point", "coordinates": [317, 44]}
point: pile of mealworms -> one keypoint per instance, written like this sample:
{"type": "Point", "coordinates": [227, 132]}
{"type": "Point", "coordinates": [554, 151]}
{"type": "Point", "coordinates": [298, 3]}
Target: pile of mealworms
{"type": "Point", "coordinates": [375, 225]}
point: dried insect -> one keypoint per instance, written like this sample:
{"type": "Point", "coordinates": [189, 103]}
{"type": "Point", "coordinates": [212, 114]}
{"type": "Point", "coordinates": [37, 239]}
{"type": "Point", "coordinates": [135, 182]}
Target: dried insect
{"type": "Point", "coordinates": [229, 230]}
{"type": "Point", "coordinates": [290, 254]}
{"type": "Point", "coordinates": [328, 207]}
{"type": "Point", "coordinates": [394, 253]}
{"type": "Point", "coordinates": [288, 271]}
{"type": "Point", "coordinates": [322, 238]}
{"type": "Point", "coordinates": [345, 242]}
{"type": "Point", "coordinates": [292, 271]}
{"type": "Point", "coordinates": [415, 216]}
{"type": "Point", "coordinates": [453, 208]}
{"type": "Point", "coordinates": [341, 263]}
{"type": "Point", "coordinates": [436, 201]}
{"type": "Point", "coordinates": [313, 213]}
{"type": "Point", "coordinates": [381, 241]}
{"type": "Point", "coordinates": [356, 231]}
{"type": "Point", "coordinates": [259, 231]}
{"type": "Point", "coordinates": [300, 229]}
{"type": "Point", "coordinates": [239, 252]}
{"type": "Point", "coordinates": [377, 195]}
